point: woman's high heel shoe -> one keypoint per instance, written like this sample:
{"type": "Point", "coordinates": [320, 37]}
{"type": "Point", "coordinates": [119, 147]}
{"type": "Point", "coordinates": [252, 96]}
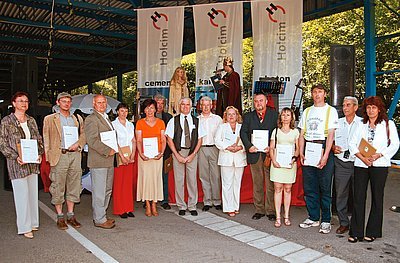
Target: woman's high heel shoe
{"type": "Point", "coordinates": [154, 209]}
{"type": "Point", "coordinates": [148, 210]}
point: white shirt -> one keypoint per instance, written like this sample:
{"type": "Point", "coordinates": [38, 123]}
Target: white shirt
{"type": "Point", "coordinates": [315, 122]}
{"type": "Point", "coordinates": [344, 125]}
{"type": "Point", "coordinates": [24, 126]}
{"type": "Point", "coordinates": [379, 142]}
{"type": "Point", "coordinates": [210, 125]}
{"type": "Point", "coordinates": [125, 134]}
{"type": "Point", "coordinates": [105, 116]}
{"type": "Point", "coordinates": [169, 131]}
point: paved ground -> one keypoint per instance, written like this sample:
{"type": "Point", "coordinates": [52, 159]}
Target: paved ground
{"type": "Point", "coordinates": [210, 237]}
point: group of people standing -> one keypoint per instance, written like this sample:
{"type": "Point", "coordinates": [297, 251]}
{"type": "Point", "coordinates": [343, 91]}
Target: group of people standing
{"type": "Point", "coordinates": [219, 148]}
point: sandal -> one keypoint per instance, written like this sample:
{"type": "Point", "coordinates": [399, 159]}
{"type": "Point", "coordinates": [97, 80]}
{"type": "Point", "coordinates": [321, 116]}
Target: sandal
{"type": "Point", "coordinates": [278, 222]}
{"type": "Point", "coordinates": [28, 235]}
{"type": "Point", "coordinates": [231, 214]}
{"type": "Point", "coordinates": [369, 239]}
{"type": "Point", "coordinates": [237, 212]}
{"type": "Point", "coordinates": [287, 221]}
{"type": "Point", "coordinates": [352, 239]}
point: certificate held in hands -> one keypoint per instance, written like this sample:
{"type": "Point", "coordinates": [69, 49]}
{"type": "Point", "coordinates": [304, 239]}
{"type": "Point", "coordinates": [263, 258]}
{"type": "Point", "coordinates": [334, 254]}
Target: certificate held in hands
{"type": "Point", "coordinates": [313, 154]}
{"type": "Point", "coordinates": [109, 138]}
{"type": "Point", "coordinates": [150, 147]}
{"type": "Point", "coordinates": [28, 151]}
{"type": "Point", "coordinates": [366, 149]}
{"type": "Point", "coordinates": [260, 139]}
{"type": "Point", "coordinates": [70, 136]}
{"type": "Point", "coordinates": [126, 152]}
{"type": "Point", "coordinates": [284, 154]}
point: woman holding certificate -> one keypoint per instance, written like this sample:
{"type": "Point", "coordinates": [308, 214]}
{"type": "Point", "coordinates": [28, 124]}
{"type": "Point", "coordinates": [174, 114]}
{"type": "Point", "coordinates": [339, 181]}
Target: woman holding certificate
{"type": "Point", "coordinates": [374, 141]}
{"type": "Point", "coordinates": [284, 150]}
{"type": "Point", "coordinates": [151, 144]}
{"type": "Point", "coordinates": [232, 159]}
{"type": "Point", "coordinates": [123, 174]}
{"type": "Point", "coordinates": [18, 129]}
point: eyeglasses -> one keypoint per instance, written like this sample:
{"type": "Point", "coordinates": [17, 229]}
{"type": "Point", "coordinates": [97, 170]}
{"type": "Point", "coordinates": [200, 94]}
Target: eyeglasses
{"type": "Point", "coordinates": [65, 101]}
{"type": "Point", "coordinates": [22, 101]}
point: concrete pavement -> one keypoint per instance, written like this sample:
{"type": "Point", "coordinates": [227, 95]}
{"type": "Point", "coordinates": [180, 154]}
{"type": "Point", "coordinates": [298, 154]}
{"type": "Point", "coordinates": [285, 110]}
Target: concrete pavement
{"type": "Point", "coordinates": [210, 237]}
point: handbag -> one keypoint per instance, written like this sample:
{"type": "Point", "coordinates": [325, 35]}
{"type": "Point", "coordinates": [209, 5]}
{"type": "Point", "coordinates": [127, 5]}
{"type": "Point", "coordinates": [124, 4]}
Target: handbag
{"type": "Point", "coordinates": [168, 164]}
{"type": "Point", "coordinates": [267, 161]}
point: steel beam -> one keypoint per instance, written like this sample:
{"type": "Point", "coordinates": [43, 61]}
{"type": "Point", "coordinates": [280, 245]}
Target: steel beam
{"type": "Point", "coordinates": [394, 103]}
{"type": "Point", "coordinates": [370, 49]}
{"type": "Point", "coordinates": [103, 33]}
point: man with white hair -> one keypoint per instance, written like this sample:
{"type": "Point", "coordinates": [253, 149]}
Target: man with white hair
{"type": "Point", "coordinates": [344, 162]}
{"type": "Point", "coordinates": [209, 171]}
{"type": "Point", "coordinates": [100, 162]}
{"type": "Point", "coordinates": [184, 135]}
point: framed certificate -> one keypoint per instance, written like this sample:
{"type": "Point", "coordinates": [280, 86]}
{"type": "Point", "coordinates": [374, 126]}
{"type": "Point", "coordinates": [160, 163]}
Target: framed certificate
{"type": "Point", "coordinates": [150, 147]}
{"type": "Point", "coordinates": [313, 154]}
{"type": "Point", "coordinates": [260, 139]}
{"type": "Point", "coordinates": [284, 154]}
{"type": "Point", "coordinates": [28, 151]}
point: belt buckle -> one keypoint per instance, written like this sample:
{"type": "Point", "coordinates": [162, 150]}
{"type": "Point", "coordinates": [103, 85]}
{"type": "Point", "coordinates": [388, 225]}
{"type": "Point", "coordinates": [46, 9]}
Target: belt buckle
{"type": "Point", "coordinates": [63, 151]}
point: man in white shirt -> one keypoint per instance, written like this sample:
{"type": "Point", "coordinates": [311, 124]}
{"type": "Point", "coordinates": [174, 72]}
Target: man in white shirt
{"type": "Point", "coordinates": [209, 171]}
{"type": "Point", "coordinates": [184, 136]}
{"type": "Point", "coordinates": [318, 124]}
{"type": "Point", "coordinates": [344, 162]}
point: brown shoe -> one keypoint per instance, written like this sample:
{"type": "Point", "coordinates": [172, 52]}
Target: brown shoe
{"type": "Point", "coordinates": [342, 229]}
{"type": "Point", "coordinates": [73, 222]}
{"type": "Point", "coordinates": [61, 224]}
{"type": "Point", "coordinates": [111, 220]}
{"type": "Point", "coordinates": [105, 225]}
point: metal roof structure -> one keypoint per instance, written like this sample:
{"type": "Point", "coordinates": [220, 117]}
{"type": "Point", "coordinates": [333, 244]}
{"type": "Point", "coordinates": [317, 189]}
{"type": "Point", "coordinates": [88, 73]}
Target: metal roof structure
{"type": "Point", "coordinates": [78, 42]}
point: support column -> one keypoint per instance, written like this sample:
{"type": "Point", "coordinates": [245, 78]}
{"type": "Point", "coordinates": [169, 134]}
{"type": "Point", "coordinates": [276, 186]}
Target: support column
{"type": "Point", "coordinates": [90, 88]}
{"type": "Point", "coordinates": [119, 86]}
{"type": "Point", "coordinates": [370, 50]}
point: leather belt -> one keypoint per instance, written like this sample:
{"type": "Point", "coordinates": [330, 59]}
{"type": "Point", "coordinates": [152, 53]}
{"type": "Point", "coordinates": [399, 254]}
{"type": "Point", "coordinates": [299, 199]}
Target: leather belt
{"type": "Point", "coordinates": [186, 148]}
{"type": "Point", "coordinates": [317, 141]}
{"type": "Point", "coordinates": [64, 151]}
{"type": "Point", "coordinates": [209, 145]}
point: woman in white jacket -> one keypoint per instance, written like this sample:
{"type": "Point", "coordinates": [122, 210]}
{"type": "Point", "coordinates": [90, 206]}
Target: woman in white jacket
{"type": "Point", "coordinates": [381, 133]}
{"type": "Point", "coordinates": [232, 159]}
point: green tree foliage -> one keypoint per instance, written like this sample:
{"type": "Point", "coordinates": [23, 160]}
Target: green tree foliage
{"type": "Point", "coordinates": [347, 28]}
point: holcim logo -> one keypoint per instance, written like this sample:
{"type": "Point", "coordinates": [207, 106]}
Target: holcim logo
{"type": "Point", "coordinates": [281, 30]}
{"type": "Point", "coordinates": [213, 15]}
{"type": "Point", "coordinates": [163, 46]}
{"type": "Point", "coordinates": [156, 18]}
{"type": "Point", "coordinates": [272, 10]}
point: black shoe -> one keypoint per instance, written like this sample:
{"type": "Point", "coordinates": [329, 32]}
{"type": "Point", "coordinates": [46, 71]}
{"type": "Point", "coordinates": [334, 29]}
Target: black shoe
{"type": "Point", "coordinates": [182, 212]}
{"type": "Point", "coordinates": [166, 206]}
{"type": "Point", "coordinates": [124, 215]}
{"type": "Point", "coordinates": [257, 216]}
{"type": "Point", "coordinates": [144, 205]}
{"type": "Point", "coordinates": [218, 207]}
{"type": "Point", "coordinates": [271, 217]}
{"type": "Point", "coordinates": [395, 208]}
{"type": "Point", "coordinates": [193, 212]}
{"type": "Point", "coordinates": [206, 207]}
{"type": "Point", "coordinates": [130, 214]}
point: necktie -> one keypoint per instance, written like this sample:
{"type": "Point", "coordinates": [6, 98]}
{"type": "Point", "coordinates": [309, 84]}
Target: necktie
{"type": "Point", "coordinates": [260, 117]}
{"type": "Point", "coordinates": [187, 136]}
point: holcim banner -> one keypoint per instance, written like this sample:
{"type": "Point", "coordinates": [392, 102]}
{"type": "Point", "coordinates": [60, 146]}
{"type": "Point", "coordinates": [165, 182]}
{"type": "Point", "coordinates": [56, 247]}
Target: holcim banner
{"type": "Point", "coordinates": [218, 32]}
{"type": "Point", "coordinates": [160, 38]}
{"type": "Point", "coordinates": [277, 43]}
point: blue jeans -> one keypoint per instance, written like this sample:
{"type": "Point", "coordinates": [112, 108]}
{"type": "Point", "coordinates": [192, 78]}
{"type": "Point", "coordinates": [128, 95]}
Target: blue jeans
{"type": "Point", "coordinates": [317, 184]}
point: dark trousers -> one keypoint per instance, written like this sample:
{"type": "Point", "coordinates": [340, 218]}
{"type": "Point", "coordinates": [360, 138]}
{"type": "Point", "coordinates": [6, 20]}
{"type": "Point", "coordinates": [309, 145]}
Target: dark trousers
{"type": "Point", "coordinates": [165, 185]}
{"type": "Point", "coordinates": [317, 184]}
{"type": "Point", "coordinates": [344, 173]}
{"type": "Point", "coordinates": [377, 176]}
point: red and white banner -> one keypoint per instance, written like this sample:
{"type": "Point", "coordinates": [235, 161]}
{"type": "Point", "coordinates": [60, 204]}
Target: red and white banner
{"type": "Point", "coordinates": [218, 33]}
{"type": "Point", "coordinates": [160, 40]}
{"type": "Point", "coordinates": [278, 43]}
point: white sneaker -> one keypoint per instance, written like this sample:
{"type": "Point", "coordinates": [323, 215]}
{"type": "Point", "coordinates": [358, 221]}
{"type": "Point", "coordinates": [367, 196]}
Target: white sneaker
{"type": "Point", "coordinates": [308, 223]}
{"type": "Point", "coordinates": [325, 228]}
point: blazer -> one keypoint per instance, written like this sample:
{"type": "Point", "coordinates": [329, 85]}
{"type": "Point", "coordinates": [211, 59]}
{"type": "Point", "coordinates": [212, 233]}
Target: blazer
{"type": "Point", "coordinates": [98, 156]}
{"type": "Point", "coordinates": [225, 157]}
{"type": "Point", "coordinates": [52, 136]}
{"type": "Point", "coordinates": [379, 142]}
{"type": "Point", "coordinates": [10, 134]}
{"type": "Point", "coordinates": [252, 122]}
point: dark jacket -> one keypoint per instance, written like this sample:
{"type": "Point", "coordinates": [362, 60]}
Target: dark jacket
{"type": "Point", "coordinates": [251, 122]}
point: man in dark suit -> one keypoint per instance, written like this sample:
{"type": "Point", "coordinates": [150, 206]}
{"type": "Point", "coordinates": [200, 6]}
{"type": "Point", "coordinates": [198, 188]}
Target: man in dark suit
{"type": "Point", "coordinates": [165, 116]}
{"type": "Point", "coordinates": [262, 118]}
{"type": "Point", "coordinates": [100, 161]}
